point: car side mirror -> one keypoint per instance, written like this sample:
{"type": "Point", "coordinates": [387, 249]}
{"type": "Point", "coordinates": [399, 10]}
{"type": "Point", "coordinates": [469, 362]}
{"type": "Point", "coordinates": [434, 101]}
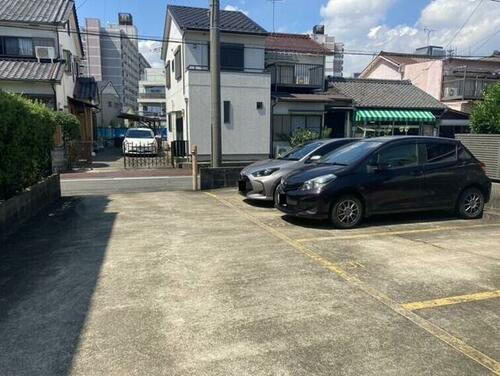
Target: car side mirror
{"type": "Point", "coordinates": [314, 158]}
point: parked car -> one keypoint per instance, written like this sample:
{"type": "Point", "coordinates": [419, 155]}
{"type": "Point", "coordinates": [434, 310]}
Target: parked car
{"type": "Point", "coordinates": [259, 180]}
{"type": "Point", "coordinates": [140, 141]}
{"type": "Point", "coordinates": [387, 175]}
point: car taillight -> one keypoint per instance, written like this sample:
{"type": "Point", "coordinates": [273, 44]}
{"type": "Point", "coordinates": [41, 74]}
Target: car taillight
{"type": "Point", "coordinates": [483, 166]}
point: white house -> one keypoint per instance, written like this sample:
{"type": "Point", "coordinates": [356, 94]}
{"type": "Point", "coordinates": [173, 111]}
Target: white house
{"type": "Point", "coordinates": [151, 99]}
{"type": "Point", "coordinates": [245, 85]}
{"type": "Point", "coordinates": [40, 48]}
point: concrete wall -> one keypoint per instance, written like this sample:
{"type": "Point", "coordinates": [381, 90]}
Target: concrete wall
{"type": "Point", "coordinates": [221, 177]}
{"type": "Point", "coordinates": [495, 197]}
{"type": "Point", "coordinates": [19, 209]}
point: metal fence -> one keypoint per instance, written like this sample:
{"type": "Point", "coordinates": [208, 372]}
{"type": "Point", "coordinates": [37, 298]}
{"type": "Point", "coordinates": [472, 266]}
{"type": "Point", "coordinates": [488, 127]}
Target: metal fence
{"type": "Point", "coordinates": [486, 148]}
{"type": "Point", "coordinates": [145, 155]}
{"type": "Point", "coordinates": [79, 154]}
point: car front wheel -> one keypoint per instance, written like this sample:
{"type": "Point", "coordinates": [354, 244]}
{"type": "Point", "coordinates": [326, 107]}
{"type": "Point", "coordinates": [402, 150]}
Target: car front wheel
{"type": "Point", "coordinates": [471, 204]}
{"type": "Point", "coordinates": [346, 212]}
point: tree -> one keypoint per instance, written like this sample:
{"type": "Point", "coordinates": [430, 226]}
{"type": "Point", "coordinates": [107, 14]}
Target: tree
{"type": "Point", "coordinates": [485, 116]}
{"type": "Point", "coordinates": [302, 135]}
{"type": "Point", "coordinates": [69, 125]}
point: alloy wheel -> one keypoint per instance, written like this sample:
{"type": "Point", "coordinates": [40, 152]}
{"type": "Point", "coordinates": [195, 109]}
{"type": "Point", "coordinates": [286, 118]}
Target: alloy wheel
{"type": "Point", "coordinates": [472, 204]}
{"type": "Point", "coordinates": [348, 212]}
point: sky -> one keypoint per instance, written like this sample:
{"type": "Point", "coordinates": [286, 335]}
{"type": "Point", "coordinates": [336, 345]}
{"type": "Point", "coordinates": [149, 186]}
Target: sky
{"type": "Point", "coordinates": [362, 25]}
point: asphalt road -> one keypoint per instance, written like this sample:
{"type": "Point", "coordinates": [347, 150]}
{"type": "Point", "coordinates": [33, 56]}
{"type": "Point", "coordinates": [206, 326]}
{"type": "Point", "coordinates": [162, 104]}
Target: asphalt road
{"type": "Point", "coordinates": [192, 283]}
{"type": "Point", "coordinates": [105, 186]}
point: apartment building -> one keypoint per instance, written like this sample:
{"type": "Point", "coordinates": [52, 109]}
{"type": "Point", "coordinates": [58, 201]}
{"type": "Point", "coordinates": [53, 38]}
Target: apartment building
{"type": "Point", "coordinates": [334, 63]}
{"type": "Point", "coordinates": [112, 54]}
{"type": "Point", "coordinates": [151, 100]}
{"type": "Point", "coordinates": [245, 84]}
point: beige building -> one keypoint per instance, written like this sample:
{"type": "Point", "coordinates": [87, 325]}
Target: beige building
{"type": "Point", "coordinates": [455, 82]}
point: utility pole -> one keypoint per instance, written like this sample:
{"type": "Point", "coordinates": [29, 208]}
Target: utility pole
{"type": "Point", "coordinates": [215, 83]}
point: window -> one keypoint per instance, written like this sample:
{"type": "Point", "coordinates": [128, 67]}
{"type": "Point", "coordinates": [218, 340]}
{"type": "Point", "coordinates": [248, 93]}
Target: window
{"type": "Point", "coordinates": [399, 156]}
{"type": "Point", "coordinates": [69, 59]}
{"type": "Point", "coordinates": [441, 152]}
{"type": "Point", "coordinates": [232, 57]}
{"type": "Point", "coordinates": [110, 104]}
{"type": "Point", "coordinates": [43, 42]}
{"type": "Point", "coordinates": [464, 155]}
{"type": "Point", "coordinates": [15, 46]}
{"type": "Point", "coordinates": [177, 64]}
{"type": "Point", "coordinates": [227, 112]}
{"type": "Point", "coordinates": [167, 75]}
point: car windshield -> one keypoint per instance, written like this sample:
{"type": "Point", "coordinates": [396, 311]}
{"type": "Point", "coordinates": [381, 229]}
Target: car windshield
{"type": "Point", "coordinates": [139, 133]}
{"type": "Point", "coordinates": [350, 153]}
{"type": "Point", "coordinates": [301, 151]}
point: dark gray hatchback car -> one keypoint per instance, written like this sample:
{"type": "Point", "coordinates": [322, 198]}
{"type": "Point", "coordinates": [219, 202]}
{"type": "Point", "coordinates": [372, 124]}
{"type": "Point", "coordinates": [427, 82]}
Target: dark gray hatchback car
{"type": "Point", "coordinates": [387, 175]}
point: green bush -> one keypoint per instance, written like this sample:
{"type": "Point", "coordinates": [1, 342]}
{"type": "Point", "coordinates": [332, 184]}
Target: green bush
{"type": "Point", "coordinates": [485, 116]}
{"type": "Point", "coordinates": [302, 135]}
{"type": "Point", "coordinates": [69, 124]}
{"type": "Point", "coordinates": [26, 140]}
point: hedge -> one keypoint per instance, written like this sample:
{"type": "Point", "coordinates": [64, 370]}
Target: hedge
{"type": "Point", "coordinates": [26, 140]}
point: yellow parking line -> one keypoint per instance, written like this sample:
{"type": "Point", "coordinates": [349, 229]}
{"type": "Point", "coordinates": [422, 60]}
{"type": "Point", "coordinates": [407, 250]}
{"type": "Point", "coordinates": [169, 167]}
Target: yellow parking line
{"type": "Point", "coordinates": [401, 232]}
{"type": "Point", "coordinates": [434, 330]}
{"type": "Point", "coordinates": [451, 300]}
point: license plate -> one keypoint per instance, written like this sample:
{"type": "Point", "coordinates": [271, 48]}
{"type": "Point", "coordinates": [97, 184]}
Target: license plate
{"type": "Point", "coordinates": [282, 199]}
{"type": "Point", "coordinates": [242, 185]}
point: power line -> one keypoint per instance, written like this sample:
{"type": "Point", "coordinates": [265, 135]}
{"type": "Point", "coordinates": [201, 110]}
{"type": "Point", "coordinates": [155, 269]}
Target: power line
{"type": "Point", "coordinates": [205, 43]}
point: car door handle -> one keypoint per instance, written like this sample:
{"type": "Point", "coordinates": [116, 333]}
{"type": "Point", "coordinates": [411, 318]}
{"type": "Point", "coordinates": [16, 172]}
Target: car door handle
{"type": "Point", "coordinates": [416, 173]}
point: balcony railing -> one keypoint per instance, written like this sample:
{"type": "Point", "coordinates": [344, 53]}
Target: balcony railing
{"type": "Point", "coordinates": [465, 88]}
{"type": "Point", "coordinates": [297, 75]}
{"type": "Point", "coordinates": [152, 95]}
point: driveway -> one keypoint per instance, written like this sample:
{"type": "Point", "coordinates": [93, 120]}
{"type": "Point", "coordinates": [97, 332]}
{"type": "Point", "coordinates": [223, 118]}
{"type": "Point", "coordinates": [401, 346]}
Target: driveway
{"type": "Point", "coordinates": [185, 283]}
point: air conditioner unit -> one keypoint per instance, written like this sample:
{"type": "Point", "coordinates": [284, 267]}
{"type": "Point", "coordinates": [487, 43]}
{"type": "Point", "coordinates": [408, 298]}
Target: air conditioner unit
{"type": "Point", "coordinates": [43, 52]}
{"type": "Point", "coordinates": [450, 92]}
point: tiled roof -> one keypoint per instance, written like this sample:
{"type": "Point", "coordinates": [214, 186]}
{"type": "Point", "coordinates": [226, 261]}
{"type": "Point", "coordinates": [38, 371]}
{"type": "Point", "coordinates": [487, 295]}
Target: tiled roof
{"type": "Point", "coordinates": [298, 43]}
{"type": "Point", "coordinates": [199, 19]}
{"type": "Point", "coordinates": [384, 94]}
{"type": "Point", "coordinates": [42, 11]}
{"type": "Point", "coordinates": [85, 89]}
{"type": "Point", "coordinates": [299, 97]}
{"type": "Point", "coordinates": [405, 59]}
{"type": "Point", "coordinates": [17, 70]}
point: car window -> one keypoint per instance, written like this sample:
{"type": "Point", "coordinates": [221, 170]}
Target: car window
{"type": "Point", "coordinates": [441, 152]}
{"type": "Point", "coordinates": [328, 148]}
{"type": "Point", "coordinates": [139, 133]}
{"type": "Point", "coordinates": [399, 156]}
{"type": "Point", "coordinates": [464, 155]}
{"type": "Point", "coordinates": [301, 151]}
{"type": "Point", "coordinates": [351, 153]}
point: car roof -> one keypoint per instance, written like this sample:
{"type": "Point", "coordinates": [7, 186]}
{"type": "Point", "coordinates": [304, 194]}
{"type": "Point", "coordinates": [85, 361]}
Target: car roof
{"type": "Point", "coordinates": [387, 139]}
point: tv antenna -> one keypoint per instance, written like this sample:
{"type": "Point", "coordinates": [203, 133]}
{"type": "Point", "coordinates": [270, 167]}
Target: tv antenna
{"type": "Point", "coordinates": [274, 12]}
{"type": "Point", "coordinates": [429, 32]}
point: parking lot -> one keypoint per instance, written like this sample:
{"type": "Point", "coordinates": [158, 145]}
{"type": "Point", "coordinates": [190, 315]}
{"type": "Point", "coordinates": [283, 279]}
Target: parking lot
{"type": "Point", "coordinates": [178, 283]}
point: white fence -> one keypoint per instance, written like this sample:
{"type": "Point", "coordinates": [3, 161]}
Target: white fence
{"type": "Point", "coordinates": [486, 148]}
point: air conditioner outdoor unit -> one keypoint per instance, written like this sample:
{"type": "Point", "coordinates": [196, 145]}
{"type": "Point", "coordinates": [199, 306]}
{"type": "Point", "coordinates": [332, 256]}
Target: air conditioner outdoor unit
{"type": "Point", "coordinates": [43, 52]}
{"type": "Point", "coordinates": [450, 92]}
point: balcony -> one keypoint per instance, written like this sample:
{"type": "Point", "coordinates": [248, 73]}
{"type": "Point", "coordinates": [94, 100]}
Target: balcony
{"type": "Point", "coordinates": [152, 95]}
{"type": "Point", "coordinates": [297, 75]}
{"type": "Point", "coordinates": [465, 88]}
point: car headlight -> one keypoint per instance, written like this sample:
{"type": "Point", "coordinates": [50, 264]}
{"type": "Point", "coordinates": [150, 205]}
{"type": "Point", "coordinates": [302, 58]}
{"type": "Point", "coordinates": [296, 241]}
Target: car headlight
{"type": "Point", "coordinates": [266, 172]}
{"type": "Point", "coordinates": [317, 183]}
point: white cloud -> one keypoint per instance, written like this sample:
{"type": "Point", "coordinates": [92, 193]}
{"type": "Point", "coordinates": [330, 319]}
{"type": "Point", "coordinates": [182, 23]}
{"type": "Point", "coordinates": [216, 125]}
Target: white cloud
{"type": "Point", "coordinates": [360, 24]}
{"type": "Point", "coordinates": [151, 51]}
{"type": "Point", "coordinates": [236, 9]}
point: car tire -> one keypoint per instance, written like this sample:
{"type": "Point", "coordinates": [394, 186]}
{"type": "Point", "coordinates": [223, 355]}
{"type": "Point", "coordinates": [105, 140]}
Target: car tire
{"type": "Point", "coordinates": [346, 212]}
{"type": "Point", "coordinates": [471, 204]}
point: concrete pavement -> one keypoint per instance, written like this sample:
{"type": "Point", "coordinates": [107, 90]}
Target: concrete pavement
{"type": "Point", "coordinates": [188, 283]}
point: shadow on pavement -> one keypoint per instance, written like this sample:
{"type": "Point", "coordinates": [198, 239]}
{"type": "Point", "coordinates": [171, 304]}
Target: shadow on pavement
{"type": "Point", "coordinates": [378, 220]}
{"type": "Point", "coordinates": [48, 274]}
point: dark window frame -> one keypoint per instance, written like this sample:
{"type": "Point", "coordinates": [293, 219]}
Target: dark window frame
{"type": "Point", "coordinates": [227, 51]}
{"type": "Point", "coordinates": [227, 112]}
{"type": "Point", "coordinates": [178, 63]}
{"type": "Point", "coordinates": [3, 47]}
{"type": "Point", "coordinates": [168, 82]}
{"type": "Point", "coordinates": [433, 161]}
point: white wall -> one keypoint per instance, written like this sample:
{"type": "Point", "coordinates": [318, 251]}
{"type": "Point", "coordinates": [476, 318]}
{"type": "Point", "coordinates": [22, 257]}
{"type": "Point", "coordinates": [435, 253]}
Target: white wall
{"type": "Point", "coordinates": [427, 76]}
{"type": "Point", "coordinates": [384, 71]}
{"type": "Point", "coordinates": [248, 132]}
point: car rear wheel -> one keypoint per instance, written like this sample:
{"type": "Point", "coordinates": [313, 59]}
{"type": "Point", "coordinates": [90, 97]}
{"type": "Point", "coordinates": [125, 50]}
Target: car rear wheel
{"type": "Point", "coordinates": [346, 212]}
{"type": "Point", "coordinates": [471, 204]}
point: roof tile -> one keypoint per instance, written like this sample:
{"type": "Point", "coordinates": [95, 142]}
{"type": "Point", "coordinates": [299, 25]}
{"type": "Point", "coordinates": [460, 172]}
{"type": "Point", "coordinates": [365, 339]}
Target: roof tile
{"type": "Point", "coordinates": [384, 94]}
{"type": "Point", "coordinates": [299, 43]}
{"type": "Point", "coordinates": [17, 70]}
{"type": "Point", "coordinates": [44, 11]}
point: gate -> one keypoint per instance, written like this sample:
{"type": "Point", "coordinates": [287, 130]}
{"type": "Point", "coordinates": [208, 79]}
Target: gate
{"type": "Point", "coordinates": [144, 155]}
{"type": "Point", "coordinates": [79, 154]}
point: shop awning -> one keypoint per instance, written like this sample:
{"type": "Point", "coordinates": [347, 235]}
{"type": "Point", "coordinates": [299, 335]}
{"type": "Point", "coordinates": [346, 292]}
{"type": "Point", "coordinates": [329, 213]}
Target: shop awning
{"type": "Point", "coordinates": [363, 116]}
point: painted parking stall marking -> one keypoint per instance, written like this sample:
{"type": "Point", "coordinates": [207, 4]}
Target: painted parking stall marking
{"type": "Point", "coordinates": [459, 345]}
{"type": "Point", "coordinates": [451, 300]}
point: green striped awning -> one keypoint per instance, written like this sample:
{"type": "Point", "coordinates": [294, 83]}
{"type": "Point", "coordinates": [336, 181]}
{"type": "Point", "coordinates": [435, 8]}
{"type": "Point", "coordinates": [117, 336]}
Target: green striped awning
{"type": "Point", "coordinates": [363, 116]}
